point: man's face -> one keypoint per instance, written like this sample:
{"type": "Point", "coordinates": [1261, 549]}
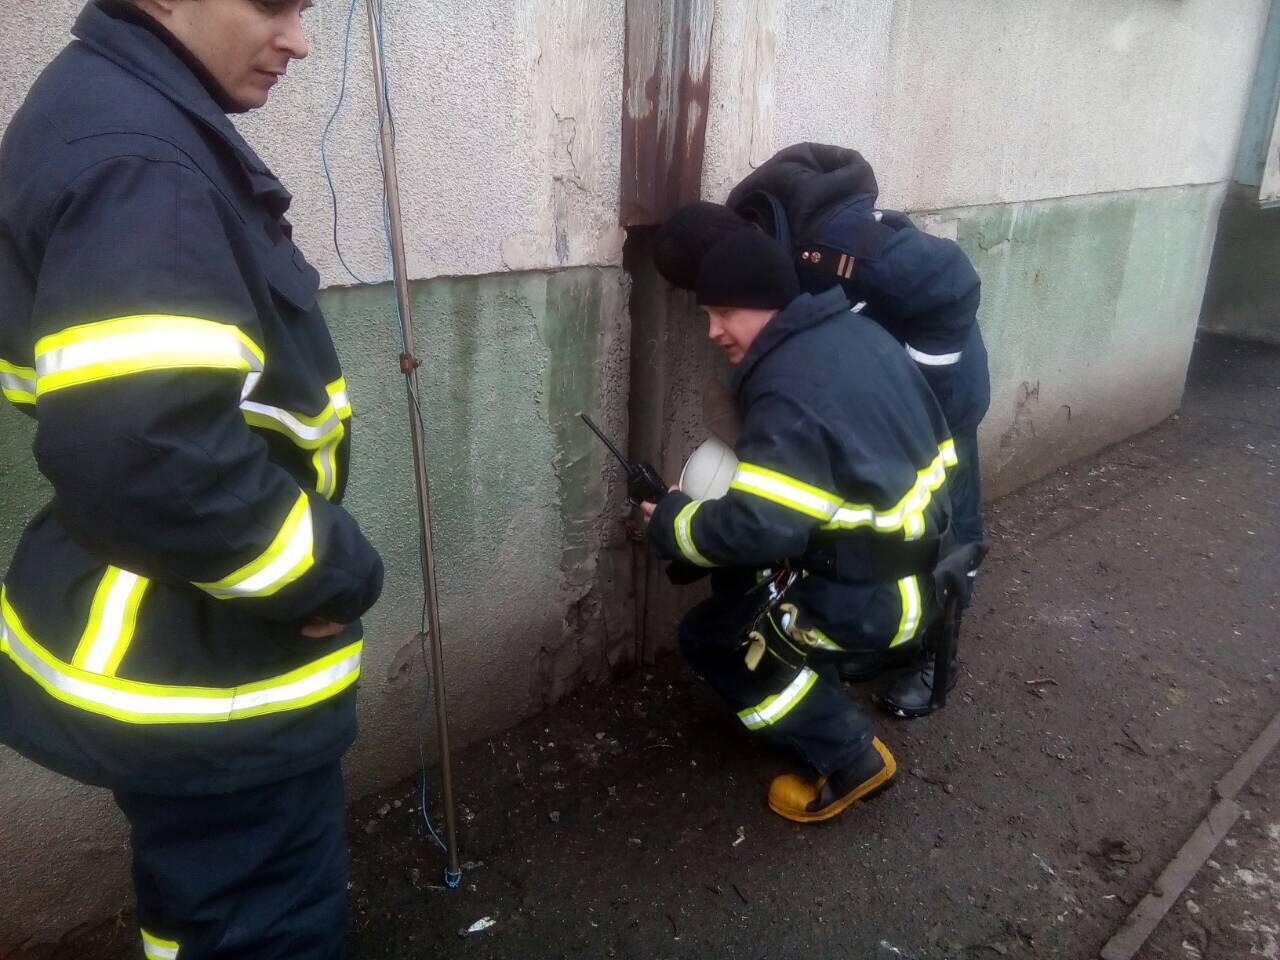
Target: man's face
{"type": "Point", "coordinates": [734, 329]}
{"type": "Point", "coordinates": [246, 44]}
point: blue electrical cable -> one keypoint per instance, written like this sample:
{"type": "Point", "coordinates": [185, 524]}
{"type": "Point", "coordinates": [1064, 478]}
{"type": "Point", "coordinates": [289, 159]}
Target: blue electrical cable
{"type": "Point", "coordinates": [324, 155]}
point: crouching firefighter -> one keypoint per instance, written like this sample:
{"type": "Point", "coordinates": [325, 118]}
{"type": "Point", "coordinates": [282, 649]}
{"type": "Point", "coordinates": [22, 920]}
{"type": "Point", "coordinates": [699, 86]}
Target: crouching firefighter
{"type": "Point", "coordinates": [819, 202]}
{"type": "Point", "coordinates": [180, 622]}
{"type": "Point", "coordinates": [825, 541]}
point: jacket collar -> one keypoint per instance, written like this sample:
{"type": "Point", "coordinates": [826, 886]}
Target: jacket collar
{"type": "Point", "coordinates": [138, 44]}
{"type": "Point", "coordinates": [805, 311]}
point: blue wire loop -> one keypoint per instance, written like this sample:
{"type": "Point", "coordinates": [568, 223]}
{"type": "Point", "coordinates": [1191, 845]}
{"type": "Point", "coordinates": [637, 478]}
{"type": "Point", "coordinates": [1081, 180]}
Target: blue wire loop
{"type": "Point", "coordinates": [452, 878]}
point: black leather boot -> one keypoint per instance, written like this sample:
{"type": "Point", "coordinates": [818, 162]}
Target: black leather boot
{"type": "Point", "coordinates": [911, 695]}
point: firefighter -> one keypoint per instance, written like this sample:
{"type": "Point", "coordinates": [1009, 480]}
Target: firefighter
{"type": "Point", "coordinates": [819, 202]}
{"type": "Point", "coordinates": [839, 499]}
{"type": "Point", "coordinates": [180, 622]}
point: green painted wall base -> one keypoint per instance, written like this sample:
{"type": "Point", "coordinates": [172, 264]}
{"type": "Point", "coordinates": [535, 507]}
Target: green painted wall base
{"type": "Point", "coordinates": [1089, 311]}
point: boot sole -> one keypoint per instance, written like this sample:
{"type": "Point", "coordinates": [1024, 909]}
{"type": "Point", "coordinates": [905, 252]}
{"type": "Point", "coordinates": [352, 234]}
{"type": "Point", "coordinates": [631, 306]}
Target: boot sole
{"type": "Point", "coordinates": [865, 791]}
{"type": "Point", "coordinates": [905, 713]}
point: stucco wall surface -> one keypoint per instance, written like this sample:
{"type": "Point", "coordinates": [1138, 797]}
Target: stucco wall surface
{"type": "Point", "coordinates": [969, 102]}
{"type": "Point", "coordinates": [508, 117]}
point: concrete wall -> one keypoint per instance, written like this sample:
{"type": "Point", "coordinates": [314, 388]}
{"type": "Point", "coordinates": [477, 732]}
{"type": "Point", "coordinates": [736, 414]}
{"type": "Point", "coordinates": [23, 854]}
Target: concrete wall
{"type": "Point", "coordinates": [1077, 151]}
{"type": "Point", "coordinates": [508, 114]}
{"type": "Point", "coordinates": [1243, 294]}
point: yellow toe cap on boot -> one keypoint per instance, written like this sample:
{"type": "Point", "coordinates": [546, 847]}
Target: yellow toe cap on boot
{"type": "Point", "coordinates": [790, 795]}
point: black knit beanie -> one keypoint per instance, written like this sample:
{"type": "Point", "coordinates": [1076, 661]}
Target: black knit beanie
{"type": "Point", "coordinates": [686, 237]}
{"type": "Point", "coordinates": [747, 269]}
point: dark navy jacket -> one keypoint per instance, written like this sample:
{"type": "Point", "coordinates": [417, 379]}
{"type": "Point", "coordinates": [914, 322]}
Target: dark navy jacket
{"type": "Point", "coordinates": [162, 329]}
{"type": "Point", "coordinates": [841, 440]}
{"type": "Point", "coordinates": [819, 201]}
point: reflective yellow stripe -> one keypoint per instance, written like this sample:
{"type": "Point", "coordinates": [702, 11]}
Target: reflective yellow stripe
{"type": "Point", "coordinates": [948, 448]}
{"type": "Point", "coordinates": [774, 708]}
{"type": "Point", "coordinates": [684, 534]}
{"type": "Point", "coordinates": [155, 948]}
{"type": "Point", "coordinates": [128, 345]}
{"type": "Point", "coordinates": [909, 591]}
{"type": "Point", "coordinates": [908, 513]}
{"type": "Point", "coordinates": [339, 397]}
{"type": "Point", "coordinates": [130, 701]}
{"type": "Point", "coordinates": [823, 641]}
{"type": "Point", "coordinates": [289, 556]}
{"type": "Point", "coordinates": [322, 432]}
{"type": "Point", "coordinates": [784, 490]}
{"type": "Point", "coordinates": [112, 620]}
{"type": "Point", "coordinates": [17, 382]}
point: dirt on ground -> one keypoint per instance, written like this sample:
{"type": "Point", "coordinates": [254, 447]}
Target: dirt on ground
{"type": "Point", "coordinates": [1121, 654]}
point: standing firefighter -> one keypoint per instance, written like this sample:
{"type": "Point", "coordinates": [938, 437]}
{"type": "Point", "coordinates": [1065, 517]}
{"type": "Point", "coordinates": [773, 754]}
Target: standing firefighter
{"type": "Point", "coordinates": [842, 462]}
{"type": "Point", "coordinates": [180, 622]}
{"type": "Point", "coordinates": [819, 203]}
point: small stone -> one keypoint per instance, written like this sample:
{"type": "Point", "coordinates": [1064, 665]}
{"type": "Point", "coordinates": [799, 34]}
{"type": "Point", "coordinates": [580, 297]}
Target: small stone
{"type": "Point", "coordinates": [397, 804]}
{"type": "Point", "coordinates": [554, 816]}
{"type": "Point", "coordinates": [950, 788]}
{"type": "Point", "coordinates": [384, 809]}
{"type": "Point", "coordinates": [600, 735]}
{"type": "Point", "coordinates": [371, 827]}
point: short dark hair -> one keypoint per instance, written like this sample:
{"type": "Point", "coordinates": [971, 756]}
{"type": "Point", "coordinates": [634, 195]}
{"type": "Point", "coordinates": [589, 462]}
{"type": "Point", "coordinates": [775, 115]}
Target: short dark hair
{"type": "Point", "coordinates": [686, 237]}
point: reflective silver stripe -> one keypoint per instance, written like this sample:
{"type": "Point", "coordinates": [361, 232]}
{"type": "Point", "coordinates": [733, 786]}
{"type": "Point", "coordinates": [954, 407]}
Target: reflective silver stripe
{"type": "Point", "coordinates": [157, 948]}
{"type": "Point", "coordinates": [858, 307]}
{"type": "Point", "coordinates": [129, 345]}
{"type": "Point", "coordinates": [305, 434]}
{"type": "Point", "coordinates": [909, 590]}
{"type": "Point", "coordinates": [776, 707]}
{"type": "Point", "coordinates": [339, 397]}
{"type": "Point", "coordinates": [112, 620]}
{"type": "Point", "coordinates": [135, 702]}
{"type": "Point", "coordinates": [684, 534]}
{"type": "Point", "coordinates": [908, 514]}
{"type": "Point", "coordinates": [878, 215]}
{"type": "Point", "coordinates": [933, 359]}
{"type": "Point", "coordinates": [287, 557]}
{"type": "Point", "coordinates": [18, 383]}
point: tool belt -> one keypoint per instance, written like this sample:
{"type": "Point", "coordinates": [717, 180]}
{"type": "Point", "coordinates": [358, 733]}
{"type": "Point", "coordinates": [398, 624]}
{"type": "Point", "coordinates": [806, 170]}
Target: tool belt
{"type": "Point", "coordinates": [865, 557]}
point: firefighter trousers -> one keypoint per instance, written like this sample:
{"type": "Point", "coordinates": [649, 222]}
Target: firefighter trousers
{"type": "Point", "coordinates": [259, 874]}
{"type": "Point", "coordinates": [802, 708]}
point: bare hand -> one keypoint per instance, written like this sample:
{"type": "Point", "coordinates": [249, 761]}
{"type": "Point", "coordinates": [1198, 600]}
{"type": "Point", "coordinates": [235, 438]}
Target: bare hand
{"type": "Point", "coordinates": [318, 628]}
{"type": "Point", "coordinates": [647, 508]}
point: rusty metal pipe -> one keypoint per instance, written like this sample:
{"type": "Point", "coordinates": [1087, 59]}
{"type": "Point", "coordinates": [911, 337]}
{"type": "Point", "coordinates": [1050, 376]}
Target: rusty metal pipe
{"type": "Point", "coordinates": [409, 364]}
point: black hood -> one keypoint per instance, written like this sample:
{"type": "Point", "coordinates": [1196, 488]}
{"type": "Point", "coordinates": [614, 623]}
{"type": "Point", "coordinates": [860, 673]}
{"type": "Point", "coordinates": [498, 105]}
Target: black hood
{"type": "Point", "coordinates": [809, 181]}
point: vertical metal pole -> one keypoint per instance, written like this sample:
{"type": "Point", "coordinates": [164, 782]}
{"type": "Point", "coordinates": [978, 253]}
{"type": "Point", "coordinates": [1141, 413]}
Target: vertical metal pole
{"type": "Point", "coordinates": [409, 366]}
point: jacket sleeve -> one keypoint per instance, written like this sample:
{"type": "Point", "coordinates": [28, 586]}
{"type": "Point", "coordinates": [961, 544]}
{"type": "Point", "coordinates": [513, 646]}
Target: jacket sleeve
{"type": "Point", "coordinates": [147, 339]}
{"type": "Point", "coordinates": [781, 492]}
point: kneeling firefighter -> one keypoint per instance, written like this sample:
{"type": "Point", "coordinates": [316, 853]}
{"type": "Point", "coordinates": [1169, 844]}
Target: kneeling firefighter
{"type": "Point", "coordinates": [824, 543]}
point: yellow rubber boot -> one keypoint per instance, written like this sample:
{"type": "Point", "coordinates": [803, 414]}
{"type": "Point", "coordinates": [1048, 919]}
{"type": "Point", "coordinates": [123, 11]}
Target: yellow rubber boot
{"type": "Point", "coordinates": [812, 800]}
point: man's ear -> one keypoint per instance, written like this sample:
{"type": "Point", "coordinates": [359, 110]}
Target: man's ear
{"type": "Point", "coordinates": [160, 9]}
